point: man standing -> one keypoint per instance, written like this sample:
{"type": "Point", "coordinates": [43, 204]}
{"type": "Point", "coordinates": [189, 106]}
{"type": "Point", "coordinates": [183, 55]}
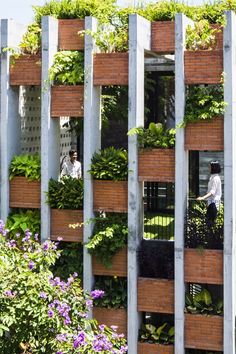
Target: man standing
{"type": "Point", "coordinates": [72, 167]}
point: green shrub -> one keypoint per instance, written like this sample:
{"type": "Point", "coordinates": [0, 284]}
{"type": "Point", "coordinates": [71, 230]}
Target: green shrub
{"type": "Point", "coordinates": [155, 136]}
{"type": "Point", "coordinates": [65, 194]}
{"type": "Point", "coordinates": [31, 40]}
{"type": "Point", "coordinates": [115, 292]}
{"type": "Point", "coordinates": [201, 303]}
{"type": "Point", "coordinates": [26, 165]}
{"type": "Point", "coordinates": [18, 223]}
{"type": "Point", "coordinates": [163, 334]}
{"type": "Point", "coordinates": [201, 36]}
{"type": "Point", "coordinates": [110, 164]}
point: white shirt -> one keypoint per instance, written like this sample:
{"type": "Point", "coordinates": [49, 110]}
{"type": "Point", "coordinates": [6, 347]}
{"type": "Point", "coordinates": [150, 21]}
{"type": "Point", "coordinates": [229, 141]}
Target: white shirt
{"type": "Point", "coordinates": [214, 187]}
{"type": "Point", "coordinates": [71, 169]}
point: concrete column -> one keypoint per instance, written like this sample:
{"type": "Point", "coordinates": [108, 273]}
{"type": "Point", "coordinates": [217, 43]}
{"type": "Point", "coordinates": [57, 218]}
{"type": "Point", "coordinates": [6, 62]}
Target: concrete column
{"type": "Point", "coordinates": [139, 41]}
{"type": "Point", "coordinates": [181, 181]}
{"type": "Point", "coordinates": [92, 142]}
{"type": "Point", "coordinates": [50, 128]}
{"type": "Point", "coordinates": [230, 182]}
{"type": "Point", "coordinates": [10, 128]}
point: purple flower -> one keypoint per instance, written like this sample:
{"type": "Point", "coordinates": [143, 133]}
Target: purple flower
{"type": "Point", "coordinates": [59, 238]}
{"type": "Point", "coordinates": [50, 313]}
{"type": "Point", "coordinates": [11, 243]}
{"type": "Point", "coordinates": [75, 275]}
{"type": "Point", "coordinates": [43, 295]}
{"type": "Point", "coordinates": [96, 294]}
{"type": "Point", "coordinates": [8, 293]}
{"type": "Point", "coordinates": [36, 237]}
{"type": "Point", "coordinates": [79, 340]}
{"type": "Point", "coordinates": [62, 337]}
{"type": "Point", "coordinates": [17, 235]}
{"type": "Point", "coordinates": [31, 265]}
{"type": "Point", "coordinates": [45, 246]}
{"type": "Point", "coordinates": [89, 304]}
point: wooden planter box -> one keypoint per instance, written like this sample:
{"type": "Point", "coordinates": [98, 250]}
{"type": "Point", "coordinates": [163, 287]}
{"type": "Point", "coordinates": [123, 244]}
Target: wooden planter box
{"type": "Point", "coordinates": [148, 348]}
{"type": "Point", "coordinates": [163, 37]}
{"type": "Point", "coordinates": [205, 135]}
{"type": "Point", "coordinates": [111, 69]}
{"type": "Point", "coordinates": [119, 265]}
{"type": "Point", "coordinates": [156, 165]}
{"type": "Point", "coordinates": [24, 193]}
{"type": "Point", "coordinates": [203, 66]}
{"type": "Point", "coordinates": [110, 196]}
{"type": "Point", "coordinates": [109, 317]}
{"type": "Point", "coordinates": [67, 101]}
{"type": "Point", "coordinates": [60, 221]}
{"type": "Point", "coordinates": [68, 36]}
{"type": "Point", "coordinates": [204, 332]}
{"type": "Point", "coordinates": [203, 266]}
{"type": "Point", "coordinates": [155, 295]}
{"type": "Point", "coordinates": [26, 71]}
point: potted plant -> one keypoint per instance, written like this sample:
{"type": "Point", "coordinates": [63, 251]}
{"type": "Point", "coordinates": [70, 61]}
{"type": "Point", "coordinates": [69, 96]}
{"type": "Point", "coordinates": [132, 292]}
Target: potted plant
{"type": "Point", "coordinates": [156, 339]}
{"type": "Point", "coordinates": [25, 181]}
{"type": "Point", "coordinates": [19, 223]}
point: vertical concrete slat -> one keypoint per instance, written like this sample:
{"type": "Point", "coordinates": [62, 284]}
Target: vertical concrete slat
{"type": "Point", "coordinates": [10, 124]}
{"type": "Point", "coordinates": [50, 128]}
{"type": "Point", "coordinates": [229, 181]}
{"type": "Point", "coordinates": [139, 41]}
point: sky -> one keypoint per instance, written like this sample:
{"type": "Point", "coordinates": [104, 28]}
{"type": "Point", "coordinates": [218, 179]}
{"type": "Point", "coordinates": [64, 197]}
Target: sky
{"type": "Point", "coordinates": [21, 10]}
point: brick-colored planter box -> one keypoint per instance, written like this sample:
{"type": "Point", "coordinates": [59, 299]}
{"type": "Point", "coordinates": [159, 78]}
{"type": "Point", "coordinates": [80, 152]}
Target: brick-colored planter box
{"type": "Point", "coordinates": [67, 101]}
{"type": "Point", "coordinates": [60, 221]}
{"type": "Point", "coordinates": [203, 266]}
{"type": "Point", "coordinates": [160, 44]}
{"type": "Point", "coordinates": [155, 295]}
{"type": "Point", "coordinates": [205, 135]}
{"type": "Point", "coordinates": [24, 193]}
{"type": "Point", "coordinates": [148, 348]}
{"type": "Point", "coordinates": [109, 317]}
{"type": "Point", "coordinates": [110, 196]}
{"type": "Point", "coordinates": [203, 66]}
{"type": "Point", "coordinates": [119, 265]}
{"type": "Point", "coordinates": [203, 332]}
{"type": "Point", "coordinates": [111, 69]}
{"type": "Point", "coordinates": [68, 36]}
{"type": "Point", "coordinates": [26, 71]}
{"type": "Point", "coordinates": [156, 165]}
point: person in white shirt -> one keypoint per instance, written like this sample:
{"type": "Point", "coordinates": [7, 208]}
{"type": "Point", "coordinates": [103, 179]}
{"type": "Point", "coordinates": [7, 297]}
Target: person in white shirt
{"type": "Point", "coordinates": [72, 167]}
{"type": "Point", "coordinates": [214, 193]}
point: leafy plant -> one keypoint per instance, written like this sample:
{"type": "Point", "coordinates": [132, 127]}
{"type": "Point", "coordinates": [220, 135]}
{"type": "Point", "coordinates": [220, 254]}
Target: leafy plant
{"type": "Point", "coordinates": [202, 303]}
{"type": "Point", "coordinates": [31, 40]}
{"type": "Point", "coordinates": [201, 36]}
{"type": "Point", "coordinates": [110, 164]}
{"type": "Point", "coordinates": [109, 236]}
{"type": "Point", "coordinates": [66, 193]}
{"type": "Point", "coordinates": [19, 223]}
{"type": "Point", "coordinates": [163, 334]}
{"type": "Point", "coordinates": [67, 68]}
{"type": "Point", "coordinates": [155, 136]}
{"type": "Point", "coordinates": [26, 165]}
{"type": "Point", "coordinates": [115, 292]}
{"type": "Point", "coordinates": [203, 103]}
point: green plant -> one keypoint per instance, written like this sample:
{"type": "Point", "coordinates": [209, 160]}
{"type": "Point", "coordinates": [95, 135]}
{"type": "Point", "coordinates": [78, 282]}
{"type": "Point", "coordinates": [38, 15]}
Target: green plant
{"type": "Point", "coordinates": [155, 136]}
{"type": "Point", "coordinates": [18, 223]}
{"type": "Point", "coordinates": [163, 334]}
{"type": "Point", "coordinates": [67, 68]}
{"type": "Point", "coordinates": [110, 164]}
{"type": "Point", "coordinates": [26, 165]}
{"type": "Point", "coordinates": [115, 292]}
{"type": "Point", "coordinates": [202, 303]}
{"type": "Point", "coordinates": [203, 103]}
{"type": "Point", "coordinates": [65, 194]}
{"type": "Point", "coordinates": [201, 36]}
{"type": "Point", "coordinates": [109, 236]}
{"type": "Point", "coordinates": [31, 40]}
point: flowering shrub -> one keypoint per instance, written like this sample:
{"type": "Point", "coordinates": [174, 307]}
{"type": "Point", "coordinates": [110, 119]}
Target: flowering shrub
{"type": "Point", "coordinates": [40, 313]}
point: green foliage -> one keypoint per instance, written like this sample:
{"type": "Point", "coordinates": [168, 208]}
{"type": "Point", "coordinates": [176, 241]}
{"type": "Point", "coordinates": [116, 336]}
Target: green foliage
{"type": "Point", "coordinates": [155, 136]}
{"type": "Point", "coordinates": [201, 303]}
{"type": "Point", "coordinates": [201, 36]}
{"type": "Point", "coordinates": [203, 103]}
{"type": "Point", "coordinates": [110, 164]}
{"type": "Point", "coordinates": [165, 10]}
{"type": "Point", "coordinates": [67, 68]}
{"type": "Point", "coordinates": [31, 40]}
{"type": "Point", "coordinates": [28, 166]}
{"type": "Point", "coordinates": [109, 236]}
{"type": "Point", "coordinates": [163, 334]}
{"type": "Point", "coordinates": [65, 194]}
{"type": "Point", "coordinates": [115, 296]}
{"type": "Point", "coordinates": [18, 223]}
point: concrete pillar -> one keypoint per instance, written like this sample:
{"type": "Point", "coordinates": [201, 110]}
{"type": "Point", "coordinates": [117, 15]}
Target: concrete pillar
{"type": "Point", "coordinates": [139, 41]}
{"type": "Point", "coordinates": [10, 129]}
{"type": "Point", "coordinates": [92, 142]}
{"type": "Point", "coordinates": [230, 182]}
{"type": "Point", "coordinates": [50, 128]}
{"type": "Point", "coordinates": [181, 181]}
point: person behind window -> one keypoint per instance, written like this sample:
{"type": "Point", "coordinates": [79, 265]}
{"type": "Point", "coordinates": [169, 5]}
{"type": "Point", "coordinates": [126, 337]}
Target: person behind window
{"type": "Point", "coordinates": [214, 193]}
{"type": "Point", "coordinates": [72, 167]}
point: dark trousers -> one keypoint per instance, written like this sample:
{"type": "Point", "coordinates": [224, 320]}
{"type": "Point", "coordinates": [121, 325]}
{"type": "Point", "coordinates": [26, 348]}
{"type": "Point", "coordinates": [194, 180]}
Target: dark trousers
{"type": "Point", "coordinates": [211, 214]}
